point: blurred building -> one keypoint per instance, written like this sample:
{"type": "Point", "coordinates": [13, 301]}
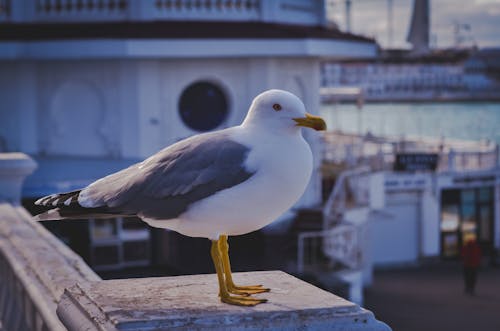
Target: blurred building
{"type": "Point", "coordinates": [420, 198]}
{"type": "Point", "coordinates": [435, 193]}
{"type": "Point", "coordinates": [89, 87]}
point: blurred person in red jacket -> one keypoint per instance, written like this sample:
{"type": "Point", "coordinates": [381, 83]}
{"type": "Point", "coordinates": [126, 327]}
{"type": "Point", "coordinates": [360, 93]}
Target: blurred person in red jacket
{"type": "Point", "coordinates": [471, 256]}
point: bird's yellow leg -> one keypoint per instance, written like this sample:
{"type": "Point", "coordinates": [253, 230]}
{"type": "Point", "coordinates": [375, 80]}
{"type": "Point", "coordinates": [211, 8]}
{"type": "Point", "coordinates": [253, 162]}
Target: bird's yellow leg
{"type": "Point", "coordinates": [226, 264]}
{"type": "Point", "coordinates": [224, 294]}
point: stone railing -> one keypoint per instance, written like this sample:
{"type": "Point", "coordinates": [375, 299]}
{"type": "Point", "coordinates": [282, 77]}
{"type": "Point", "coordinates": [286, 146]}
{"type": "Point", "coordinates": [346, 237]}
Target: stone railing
{"type": "Point", "coordinates": [85, 10]}
{"type": "Point", "coordinates": [232, 10]}
{"type": "Point", "coordinates": [46, 286]}
{"type": "Point", "coordinates": [48, 11]}
{"type": "Point", "coordinates": [35, 267]}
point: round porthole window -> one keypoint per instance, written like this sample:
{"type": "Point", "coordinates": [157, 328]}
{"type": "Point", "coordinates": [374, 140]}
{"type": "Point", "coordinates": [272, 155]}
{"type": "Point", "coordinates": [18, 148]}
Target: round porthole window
{"type": "Point", "coordinates": [203, 106]}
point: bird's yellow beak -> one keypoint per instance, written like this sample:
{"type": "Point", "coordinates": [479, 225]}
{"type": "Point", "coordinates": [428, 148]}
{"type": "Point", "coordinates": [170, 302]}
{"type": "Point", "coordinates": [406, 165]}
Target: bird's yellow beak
{"type": "Point", "coordinates": [311, 121]}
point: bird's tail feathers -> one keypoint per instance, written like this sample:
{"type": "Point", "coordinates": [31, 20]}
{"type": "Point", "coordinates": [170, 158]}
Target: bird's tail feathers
{"type": "Point", "coordinates": [59, 214]}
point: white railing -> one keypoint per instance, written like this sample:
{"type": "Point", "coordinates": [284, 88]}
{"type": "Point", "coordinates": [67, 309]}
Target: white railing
{"type": "Point", "coordinates": [72, 10]}
{"type": "Point", "coordinates": [468, 160]}
{"type": "Point", "coordinates": [233, 10]}
{"type": "Point", "coordinates": [304, 12]}
{"type": "Point", "coordinates": [335, 249]}
{"type": "Point", "coordinates": [339, 245]}
{"type": "Point", "coordinates": [350, 190]}
{"type": "Point", "coordinates": [35, 267]}
{"type": "Point", "coordinates": [379, 152]}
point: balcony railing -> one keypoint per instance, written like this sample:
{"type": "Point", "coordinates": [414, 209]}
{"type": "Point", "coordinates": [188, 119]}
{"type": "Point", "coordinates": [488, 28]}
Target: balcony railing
{"type": "Point", "coordinates": [340, 244]}
{"type": "Point", "coordinates": [379, 153]}
{"type": "Point", "coordinates": [208, 10]}
{"type": "Point", "coordinates": [49, 11]}
{"type": "Point", "coordinates": [334, 249]}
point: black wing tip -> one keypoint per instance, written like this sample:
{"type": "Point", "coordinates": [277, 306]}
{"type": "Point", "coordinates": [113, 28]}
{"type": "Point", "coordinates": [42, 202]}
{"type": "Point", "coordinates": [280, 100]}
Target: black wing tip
{"type": "Point", "coordinates": [59, 200]}
{"type": "Point", "coordinates": [62, 206]}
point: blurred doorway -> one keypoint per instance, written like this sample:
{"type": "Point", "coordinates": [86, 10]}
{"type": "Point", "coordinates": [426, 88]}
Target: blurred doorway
{"type": "Point", "coordinates": [466, 214]}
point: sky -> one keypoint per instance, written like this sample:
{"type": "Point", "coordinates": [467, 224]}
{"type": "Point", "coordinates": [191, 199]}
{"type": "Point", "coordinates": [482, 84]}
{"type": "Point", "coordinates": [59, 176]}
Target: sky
{"type": "Point", "coordinates": [369, 17]}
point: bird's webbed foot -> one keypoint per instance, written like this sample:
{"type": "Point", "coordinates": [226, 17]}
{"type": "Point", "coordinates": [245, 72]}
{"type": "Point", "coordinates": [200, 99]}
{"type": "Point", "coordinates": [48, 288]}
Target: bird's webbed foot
{"type": "Point", "coordinates": [240, 300]}
{"type": "Point", "coordinates": [245, 290]}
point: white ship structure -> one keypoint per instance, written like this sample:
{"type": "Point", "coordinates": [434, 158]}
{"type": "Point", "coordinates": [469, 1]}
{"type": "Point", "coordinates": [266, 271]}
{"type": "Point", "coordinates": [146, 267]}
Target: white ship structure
{"type": "Point", "coordinates": [446, 75]}
{"type": "Point", "coordinates": [420, 73]}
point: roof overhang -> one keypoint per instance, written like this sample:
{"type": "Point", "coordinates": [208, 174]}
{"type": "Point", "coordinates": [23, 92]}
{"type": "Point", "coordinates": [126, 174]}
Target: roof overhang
{"type": "Point", "coordinates": [187, 48]}
{"type": "Point", "coordinates": [170, 39]}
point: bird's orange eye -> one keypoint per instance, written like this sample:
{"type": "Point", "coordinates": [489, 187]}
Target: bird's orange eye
{"type": "Point", "coordinates": [277, 107]}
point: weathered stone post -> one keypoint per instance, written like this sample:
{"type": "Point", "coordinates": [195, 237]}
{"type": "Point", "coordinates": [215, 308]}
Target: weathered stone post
{"type": "Point", "coordinates": [14, 168]}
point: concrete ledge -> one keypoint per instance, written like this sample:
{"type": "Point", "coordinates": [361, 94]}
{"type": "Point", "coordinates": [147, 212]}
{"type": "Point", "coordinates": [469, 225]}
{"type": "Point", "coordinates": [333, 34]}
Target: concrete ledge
{"type": "Point", "coordinates": [191, 303]}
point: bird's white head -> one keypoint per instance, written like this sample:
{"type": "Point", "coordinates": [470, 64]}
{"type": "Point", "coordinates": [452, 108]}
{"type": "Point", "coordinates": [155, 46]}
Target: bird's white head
{"type": "Point", "coordinates": [278, 110]}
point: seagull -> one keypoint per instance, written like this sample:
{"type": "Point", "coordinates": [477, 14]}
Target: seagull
{"type": "Point", "coordinates": [212, 185]}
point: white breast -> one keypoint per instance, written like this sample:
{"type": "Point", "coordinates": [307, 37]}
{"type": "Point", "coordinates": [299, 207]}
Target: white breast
{"type": "Point", "coordinates": [282, 165]}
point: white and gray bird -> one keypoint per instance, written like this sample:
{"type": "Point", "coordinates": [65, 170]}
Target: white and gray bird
{"type": "Point", "coordinates": [212, 185]}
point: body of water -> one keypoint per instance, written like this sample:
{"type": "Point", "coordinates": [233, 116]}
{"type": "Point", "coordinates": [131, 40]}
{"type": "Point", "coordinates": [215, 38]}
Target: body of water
{"type": "Point", "coordinates": [462, 120]}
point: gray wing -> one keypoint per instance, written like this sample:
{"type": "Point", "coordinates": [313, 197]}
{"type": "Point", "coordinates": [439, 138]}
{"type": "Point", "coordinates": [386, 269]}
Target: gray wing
{"type": "Point", "coordinates": [164, 185]}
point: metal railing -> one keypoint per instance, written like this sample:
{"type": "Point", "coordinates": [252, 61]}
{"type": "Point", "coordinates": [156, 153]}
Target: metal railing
{"type": "Point", "coordinates": [330, 250]}
{"type": "Point", "coordinates": [339, 245]}
{"type": "Point", "coordinates": [350, 190]}
{"type": "Point", "coordinates": [379, 153]}
{"type": "Point", "coordinates": [208, 9]}
{"type": "Point", "coordinates": [304, 12]}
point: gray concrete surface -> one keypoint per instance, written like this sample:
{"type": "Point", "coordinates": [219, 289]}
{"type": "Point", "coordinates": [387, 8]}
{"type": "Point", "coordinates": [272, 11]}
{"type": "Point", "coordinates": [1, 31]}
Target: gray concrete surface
{"type": "Point", "coordinates": [192, 303]}
{"type": "Point", "coordinates": [432, 298]}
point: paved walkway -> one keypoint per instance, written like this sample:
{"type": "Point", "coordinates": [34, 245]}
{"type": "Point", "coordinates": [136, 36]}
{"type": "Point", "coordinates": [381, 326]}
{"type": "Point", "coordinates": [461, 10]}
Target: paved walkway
{"type": "Point", "coordinates": [432, 298]}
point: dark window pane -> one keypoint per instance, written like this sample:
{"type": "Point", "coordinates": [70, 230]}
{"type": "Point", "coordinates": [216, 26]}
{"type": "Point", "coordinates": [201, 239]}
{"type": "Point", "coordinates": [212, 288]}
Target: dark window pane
{"type": "Point", "coordinates": [485, 194]}
{"type": "Point", "coordinates": [468, 196]}
{"type": "Point", "coordinates": [450, 197]}
{"type": "Point", "coordinates": [133, 223]}
{"type": "Point", "coordinates": [105, 255]}
{"type": "Point", "coordinates": [135, 251]}
{"type": "Point", "coordinates": [485, 218]}
{"type": "Point", "coordinates": [450, 244]}
{"type": "Point", "coordinates": [203, 106]}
